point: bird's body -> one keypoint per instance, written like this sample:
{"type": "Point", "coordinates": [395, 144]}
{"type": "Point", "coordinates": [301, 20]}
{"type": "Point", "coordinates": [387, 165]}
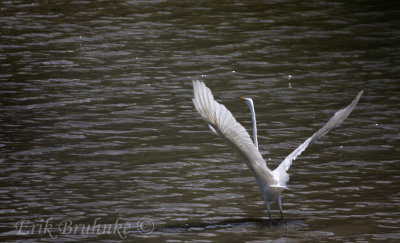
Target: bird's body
{"type": "Point", "coordinates": [221, 121]}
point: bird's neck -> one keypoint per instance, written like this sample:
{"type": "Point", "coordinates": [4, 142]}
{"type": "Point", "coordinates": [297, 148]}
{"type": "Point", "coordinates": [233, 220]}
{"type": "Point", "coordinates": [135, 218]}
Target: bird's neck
{"type": "Point", "coordinates": [253, 118]}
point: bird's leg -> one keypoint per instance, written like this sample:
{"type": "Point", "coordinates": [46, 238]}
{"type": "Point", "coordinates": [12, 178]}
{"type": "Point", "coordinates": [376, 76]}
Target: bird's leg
{"type": "Point", "coordinates": [280, 206]}
{"type": "Point", "coordinates": [269, 210]}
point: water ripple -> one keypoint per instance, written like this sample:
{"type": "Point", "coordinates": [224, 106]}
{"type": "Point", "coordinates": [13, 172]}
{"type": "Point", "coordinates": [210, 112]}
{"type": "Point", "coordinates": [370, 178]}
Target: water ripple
{"type": "Point", "coordinates": [96, 117]}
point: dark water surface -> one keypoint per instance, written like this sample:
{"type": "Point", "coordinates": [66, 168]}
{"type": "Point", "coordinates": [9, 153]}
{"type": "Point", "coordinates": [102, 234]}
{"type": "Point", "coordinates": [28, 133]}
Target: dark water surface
{"type": "Point", "coordinates": [98, 128]}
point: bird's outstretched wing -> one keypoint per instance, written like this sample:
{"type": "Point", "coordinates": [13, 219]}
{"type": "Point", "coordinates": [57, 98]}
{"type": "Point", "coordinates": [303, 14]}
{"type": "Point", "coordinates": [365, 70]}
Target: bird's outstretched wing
{"type": "Point", "coordinates": [226, 127]}
{"type": "Point", "coordinates": [335, 121]}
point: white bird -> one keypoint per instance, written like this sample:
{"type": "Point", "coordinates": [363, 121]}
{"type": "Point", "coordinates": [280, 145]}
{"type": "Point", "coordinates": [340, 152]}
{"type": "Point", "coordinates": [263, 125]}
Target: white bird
{"type": "Point", "coordinates": [221, 122]}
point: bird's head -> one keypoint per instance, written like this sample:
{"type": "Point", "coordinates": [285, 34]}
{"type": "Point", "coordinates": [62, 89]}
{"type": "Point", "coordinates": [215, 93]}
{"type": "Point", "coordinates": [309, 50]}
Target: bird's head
{"type": "Point", "coordinates": [248, 101]}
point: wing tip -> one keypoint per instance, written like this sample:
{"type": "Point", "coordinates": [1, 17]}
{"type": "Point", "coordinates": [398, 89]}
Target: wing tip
{"type": "Point", "coordinates": [361, 92]}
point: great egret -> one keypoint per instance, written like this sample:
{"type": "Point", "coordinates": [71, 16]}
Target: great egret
{"type": "Point", "coordinates": [221, 122]}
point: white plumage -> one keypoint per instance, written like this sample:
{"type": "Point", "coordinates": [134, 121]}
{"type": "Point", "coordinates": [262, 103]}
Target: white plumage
{"type": "Point", "coordinates": [221, 121]}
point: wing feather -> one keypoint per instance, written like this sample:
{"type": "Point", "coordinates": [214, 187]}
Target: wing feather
{"type": "Point", "coordinates": [234, 134]}
{"type": "Point", "coordinates": [333, 122]}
